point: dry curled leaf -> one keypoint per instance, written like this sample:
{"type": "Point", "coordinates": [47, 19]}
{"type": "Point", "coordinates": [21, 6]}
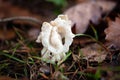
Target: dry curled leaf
{"type": "Point", "coordinates": [83, 13]}
{"type": "Point", "coordinates": [94, 52]}
{"type": "Point", "coordinates": [113, 32]}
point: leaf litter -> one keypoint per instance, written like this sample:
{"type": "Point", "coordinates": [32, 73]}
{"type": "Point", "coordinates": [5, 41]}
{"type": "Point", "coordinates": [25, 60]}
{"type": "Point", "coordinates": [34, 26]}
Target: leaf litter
{"type": "Point", "coordinates": [81, 14]}
{"type": "Point", "coordinates": [88, 57]}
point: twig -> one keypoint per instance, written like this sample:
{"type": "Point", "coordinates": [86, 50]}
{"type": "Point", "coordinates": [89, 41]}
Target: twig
{"type": "Point", "coordinates": [21, 18]}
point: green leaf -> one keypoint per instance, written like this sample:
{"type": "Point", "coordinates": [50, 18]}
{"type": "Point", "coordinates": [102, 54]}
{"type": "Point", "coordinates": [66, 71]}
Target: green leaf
{"type": "Point", "coordinates": [64, 59]}
{"type": "Point", "coordinates": [58, 2]}
{"type": "Point", "coordinates": [97, 75]}
{"type": "Point", "coordinates": [13, 57]}
{"type": "Point", "coordinates": [95, 32]}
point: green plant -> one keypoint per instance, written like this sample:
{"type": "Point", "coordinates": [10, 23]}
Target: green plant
{"type": "Point", "coordinates": [59, 5]}
{"type": "Point", "coordinates": [58, 2]}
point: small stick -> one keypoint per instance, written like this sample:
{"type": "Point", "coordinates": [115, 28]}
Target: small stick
{"type": "Point", "coordinates": [21, 18]}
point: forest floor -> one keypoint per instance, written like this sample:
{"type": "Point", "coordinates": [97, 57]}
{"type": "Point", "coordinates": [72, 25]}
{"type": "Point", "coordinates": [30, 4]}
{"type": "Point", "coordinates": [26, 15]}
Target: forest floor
{"type": "Point", "coordinates": [93, 55]}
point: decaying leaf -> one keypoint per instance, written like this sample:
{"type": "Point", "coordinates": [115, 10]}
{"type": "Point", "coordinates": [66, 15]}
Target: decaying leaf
{"type": "Point", "coordinates": [83, 13]}
{"type": "Point", "coordinates": [113, 32]}
{"type": "Point", "coordinates": [94, 52]}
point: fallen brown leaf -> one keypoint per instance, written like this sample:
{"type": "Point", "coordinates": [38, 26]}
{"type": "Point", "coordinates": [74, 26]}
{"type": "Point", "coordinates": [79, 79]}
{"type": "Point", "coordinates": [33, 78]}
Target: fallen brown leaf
{"type": "Point", "coordinates": [83, 13]}
{"type": "Point", "coordinates": [113, 32]}
{"type": "Point", "coordinates": [94, 52]}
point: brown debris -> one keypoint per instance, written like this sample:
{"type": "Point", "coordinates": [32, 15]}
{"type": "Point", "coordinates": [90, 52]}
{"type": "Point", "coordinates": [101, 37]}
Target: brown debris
{"type": "Point", "coordinates": [94, 52]}
{"type": "Point", "coordinates": [113, 32]}
{"type": "Point", "coordinates": [6, 78]}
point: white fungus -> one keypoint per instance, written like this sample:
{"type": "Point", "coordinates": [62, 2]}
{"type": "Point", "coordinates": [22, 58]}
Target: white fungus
{"type": "Point", "coordinates": [56, 37]}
